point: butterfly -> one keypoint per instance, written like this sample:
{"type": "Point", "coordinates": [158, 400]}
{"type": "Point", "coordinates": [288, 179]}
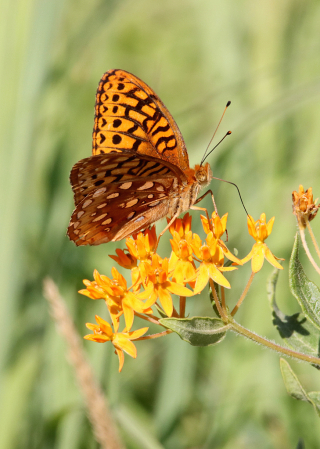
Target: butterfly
{"type": "Point", "coordinates": [139, 169]}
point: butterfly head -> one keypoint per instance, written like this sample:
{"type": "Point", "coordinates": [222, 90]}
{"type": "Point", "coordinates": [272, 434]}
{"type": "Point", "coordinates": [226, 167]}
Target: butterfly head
{"type": "Point", "coordinates": [203, 174]}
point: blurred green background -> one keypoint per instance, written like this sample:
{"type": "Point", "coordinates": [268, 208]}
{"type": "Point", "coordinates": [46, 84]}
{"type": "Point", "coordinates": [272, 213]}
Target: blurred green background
{"type": "Point", "coordinates": [262, 55]}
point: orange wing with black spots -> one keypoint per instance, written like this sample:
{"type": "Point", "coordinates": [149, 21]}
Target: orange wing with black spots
{"type": "Point", "coordinates": [130, 116]}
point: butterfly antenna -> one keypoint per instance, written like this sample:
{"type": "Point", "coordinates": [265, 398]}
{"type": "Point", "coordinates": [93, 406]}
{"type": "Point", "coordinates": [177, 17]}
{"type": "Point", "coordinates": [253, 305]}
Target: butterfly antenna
{"type": "Point", "coordinates": [204, 156]}
{"type": "Point", "coordinates": [232, 183]}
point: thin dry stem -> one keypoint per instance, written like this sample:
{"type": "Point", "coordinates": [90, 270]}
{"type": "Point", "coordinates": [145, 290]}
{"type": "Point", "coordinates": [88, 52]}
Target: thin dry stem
{"type": "Point", "coordinates": [304, 243]}
{"type": "Point", "coordinates": [244, 294]}
{"type": "Point", "coordinates": [104, 427]}
{"type": "Point", "coordinates": [313, 239]}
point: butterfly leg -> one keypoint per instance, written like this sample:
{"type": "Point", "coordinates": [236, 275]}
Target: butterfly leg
{"type": "Point", "coordinates": [165, 229]}
{"type": "Point", "coordinates": [208, 192]}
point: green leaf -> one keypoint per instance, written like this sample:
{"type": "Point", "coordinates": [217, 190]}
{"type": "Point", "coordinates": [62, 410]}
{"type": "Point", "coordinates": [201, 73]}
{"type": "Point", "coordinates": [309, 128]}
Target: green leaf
{"type": "Point", "coordinates": [298, 333]}
{"type": "Point", "coordinates": [198, 331]}
{"type": "Point", "coordinates": [295, 389]}
{"type": "Point", "coordinates": [305, 291]}
{"type": "Point", "coordinates": [315, 397]}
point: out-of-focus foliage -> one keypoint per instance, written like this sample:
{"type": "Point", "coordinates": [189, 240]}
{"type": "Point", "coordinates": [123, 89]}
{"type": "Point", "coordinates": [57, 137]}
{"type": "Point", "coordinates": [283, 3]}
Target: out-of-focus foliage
{"type": "Point", "coordinates": [197, 55]}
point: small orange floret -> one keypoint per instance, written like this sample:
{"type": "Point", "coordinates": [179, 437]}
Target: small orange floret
{"type": "Point", "coordinates": [304, 208]}
{"type": "Point", "coordinates": [217, 225]}
{"type": "Point", "coordinates": [119, 299]}
{"type": "Point", "coordinates": [102, 332]}
{"type": "Point", "coordinates": [181, 226]}
{"type": "Point", "coordinates": [160, 286]}
{"type": "Point", "coordinates": [260, 231]}
{"type": "Point", "coordinates": [211, 256]}
{"type": "Point", "coordinates": [125, 260]}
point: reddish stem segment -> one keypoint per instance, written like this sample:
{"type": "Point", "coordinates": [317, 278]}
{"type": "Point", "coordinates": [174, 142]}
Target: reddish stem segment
{"type": "Point", "coordinates": [150, 337]}
{"type": "Point", "coordinates": [182, 306]}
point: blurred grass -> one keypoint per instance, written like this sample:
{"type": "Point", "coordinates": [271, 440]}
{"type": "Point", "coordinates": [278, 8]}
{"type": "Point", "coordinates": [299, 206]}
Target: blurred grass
{"type": "Point", "coordinates": [264, 57]}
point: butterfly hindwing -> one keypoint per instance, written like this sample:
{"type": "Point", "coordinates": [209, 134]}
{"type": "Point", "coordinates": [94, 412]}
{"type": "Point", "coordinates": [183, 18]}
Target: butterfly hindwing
{"type": "Point", "coordinates": [113, 169]}
{"type": "Point", "coordinates": [104, 216]}
{"type": "Point", "coordinates": [117, 194]}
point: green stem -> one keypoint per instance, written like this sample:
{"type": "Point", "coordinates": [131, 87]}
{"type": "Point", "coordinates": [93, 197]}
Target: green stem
{"type": "Point", "coordinates": [269, 344]}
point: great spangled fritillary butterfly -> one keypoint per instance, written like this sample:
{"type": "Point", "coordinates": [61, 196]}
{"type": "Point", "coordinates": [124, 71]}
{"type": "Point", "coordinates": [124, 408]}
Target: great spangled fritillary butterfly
{"type": "Point", "coordinates": [139, 171]}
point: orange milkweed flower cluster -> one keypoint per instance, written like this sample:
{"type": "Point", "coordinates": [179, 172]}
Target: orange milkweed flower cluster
{"type": "Point", "coordinates": [192, 264]}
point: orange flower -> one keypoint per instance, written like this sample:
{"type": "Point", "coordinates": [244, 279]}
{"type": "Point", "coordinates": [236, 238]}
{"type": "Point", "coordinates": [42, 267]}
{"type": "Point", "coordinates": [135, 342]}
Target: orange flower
{"type": "Point", "coordinates": [141, 247]}
{"type": "Point", "coordinates": [118, 298]}
{"type": "Point", "coordinates": [159, 285]}
{"type": "Point", "coordinates": [181, 226]}
{"type": "Point", "coordinates": [124, 260]}
{"type": "Point", "coordinates": [260, 231]}
{"type": "Point", "coordinates": [212, 260]}
{"type": "Point", "coordinates": [219, 226]}
{"type": "Point", "coordinates": [304, 208]}
{"type": "Point", "coordinates": [102, 332]}
{"type": "Point", "coordinates": [181, 263]}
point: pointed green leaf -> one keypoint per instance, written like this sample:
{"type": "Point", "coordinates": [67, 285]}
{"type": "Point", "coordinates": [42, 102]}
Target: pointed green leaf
{"type": "Point", "coordinates": [294, 387]}
{"type": "Point", "coordinates": [198, 331]}
{"type": "Point", "coordinates": [315, 397]}
{"type": "Point", "coordinates": [298, 333]}
{"type": "Point", "coordinates": [305, 291]}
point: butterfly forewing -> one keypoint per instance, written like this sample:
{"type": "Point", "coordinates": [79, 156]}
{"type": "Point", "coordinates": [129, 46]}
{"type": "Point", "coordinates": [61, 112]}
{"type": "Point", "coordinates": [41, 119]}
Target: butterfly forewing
{"type": "Point", "coordinates": [130, 116]}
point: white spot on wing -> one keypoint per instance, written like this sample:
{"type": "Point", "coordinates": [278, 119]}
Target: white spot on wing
{"type": "Point", "coordinates": [146, 185]}
{"type": "Point", "coordinates": [100, 217]}
{"type": "Point", "coordinates": [86, 204]}
{"type": "Point", "coordinates": [125, 185]}
{"type": "Point", "coordinates": [99, 192]}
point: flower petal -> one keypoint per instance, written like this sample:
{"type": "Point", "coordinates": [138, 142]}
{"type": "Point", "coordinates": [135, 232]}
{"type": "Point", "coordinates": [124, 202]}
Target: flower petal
{"type": "Point", "coordinates": [166, 300]}
{"type": "Point", "coordinates": [271, 259]}
{"type": "Point", "coordinates": [122, 342]}
{"type": "Point", "coordinates": [128, 315]}
{"type": "Point", "coordinates": [258, 257]}
{"type": "Point", "coordinates": [137, 333]}
{"type": "Point", "coordinates": [270, 225]}
{"type": "Point", "coordinates": [98, 338]}
{"type": "Point", "coordinates": [120, 354]}
{"type": "Point", "coordinates": [217, 276]}
{"type": "Point", "coordinates": [202, 278]}
{"type": "Point", "coordinates": [178, 289]}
